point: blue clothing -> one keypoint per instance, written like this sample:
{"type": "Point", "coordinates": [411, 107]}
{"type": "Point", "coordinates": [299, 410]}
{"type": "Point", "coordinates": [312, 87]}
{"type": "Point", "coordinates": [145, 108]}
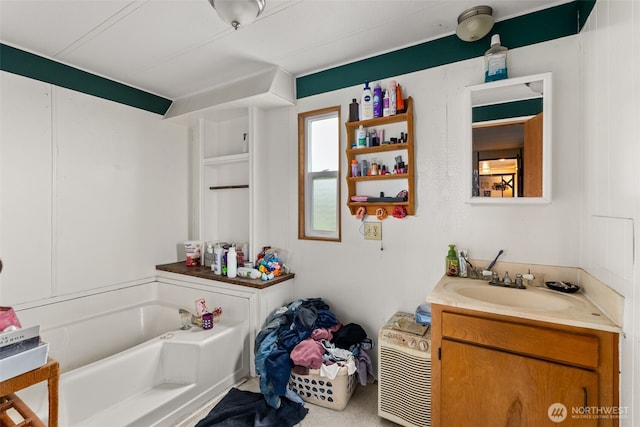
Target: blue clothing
{"type": "Point", "coordinates": [274, 343]}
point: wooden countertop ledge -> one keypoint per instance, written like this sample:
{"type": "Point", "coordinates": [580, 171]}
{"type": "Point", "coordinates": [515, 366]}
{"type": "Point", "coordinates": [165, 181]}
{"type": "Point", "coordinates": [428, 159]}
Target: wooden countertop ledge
{"type": "Point", "coordinates": [206, 273]}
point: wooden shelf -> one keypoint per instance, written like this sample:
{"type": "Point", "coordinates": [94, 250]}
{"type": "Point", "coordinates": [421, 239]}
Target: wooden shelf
{"type": "Point", "coordinates": [351, 153]}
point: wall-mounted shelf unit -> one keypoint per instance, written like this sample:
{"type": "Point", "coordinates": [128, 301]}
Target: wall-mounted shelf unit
{"type": "Point", "coordinates": [390, 183]}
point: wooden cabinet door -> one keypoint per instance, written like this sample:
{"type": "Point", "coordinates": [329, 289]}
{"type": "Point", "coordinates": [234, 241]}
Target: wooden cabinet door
{"type": "Point", "coordinates": [533, 157]}
{"type": "Point", "coordinates": [485, 387]}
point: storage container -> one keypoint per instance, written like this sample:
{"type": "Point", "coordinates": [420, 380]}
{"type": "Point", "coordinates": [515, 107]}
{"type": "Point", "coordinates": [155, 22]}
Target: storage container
{"type": "Point", "coordinates": [323, 391]}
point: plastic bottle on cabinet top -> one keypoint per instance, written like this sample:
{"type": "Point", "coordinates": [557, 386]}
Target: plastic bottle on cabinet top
{"type": "Point", "coordinates": [366, 105]}
{"type": "Point", "coordinates": [361, 137]}
{"type": "Point", "coordinates": [392, 97]}
{"type": "Point", "coordinates": [208, 255]}
{"type": "Point", "coordinates": [377, 100]}
{"type": "Point", "coordinates": [385, 104]}
{"type": "Point", "coordinates": [218, 252]}
{"type": "Point", "coordinates": [399, 100]}
{"type": "Point", "coordinates": [232, 263]}
{"type": "Point", "coordinates": [354, 114]}
{"type": "Point", "coordinates": [495, 60]}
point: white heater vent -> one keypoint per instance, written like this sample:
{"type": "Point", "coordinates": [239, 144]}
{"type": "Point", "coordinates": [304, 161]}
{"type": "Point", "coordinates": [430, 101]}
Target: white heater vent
{"type": "Point", "coordinates": [404, 377]}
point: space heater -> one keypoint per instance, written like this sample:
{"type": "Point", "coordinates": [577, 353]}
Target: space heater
{"type": "Point", "coordinates": [404, 371]}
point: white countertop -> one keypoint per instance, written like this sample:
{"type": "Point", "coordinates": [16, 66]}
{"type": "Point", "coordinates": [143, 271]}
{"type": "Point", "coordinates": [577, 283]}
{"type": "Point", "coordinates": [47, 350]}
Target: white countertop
{"type": "Point", "coordinates": [534, 303]}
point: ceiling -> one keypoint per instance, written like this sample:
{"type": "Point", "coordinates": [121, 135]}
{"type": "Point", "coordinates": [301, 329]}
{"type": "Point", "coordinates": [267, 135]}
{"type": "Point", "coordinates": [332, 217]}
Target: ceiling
{"type": "Point", "coordinates": [177, 48]}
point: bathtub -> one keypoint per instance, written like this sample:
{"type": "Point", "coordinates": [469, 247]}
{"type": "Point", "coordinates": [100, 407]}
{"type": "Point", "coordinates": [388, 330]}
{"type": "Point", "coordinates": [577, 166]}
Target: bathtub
{"type": "Point", "coordinates": [125, 361]}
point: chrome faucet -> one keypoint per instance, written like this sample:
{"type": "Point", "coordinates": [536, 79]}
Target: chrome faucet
{"type": "Point", "coordinates": [506, 280]}
{"type": "Point", "coordinates": [187, 319]}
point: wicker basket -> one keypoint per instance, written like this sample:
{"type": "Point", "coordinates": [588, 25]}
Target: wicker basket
{"type": "Point", "coordinates": [322, 391]}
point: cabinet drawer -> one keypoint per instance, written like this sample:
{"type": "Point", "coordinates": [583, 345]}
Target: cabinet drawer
{"type": "Point", "coordinates": [546, 343]}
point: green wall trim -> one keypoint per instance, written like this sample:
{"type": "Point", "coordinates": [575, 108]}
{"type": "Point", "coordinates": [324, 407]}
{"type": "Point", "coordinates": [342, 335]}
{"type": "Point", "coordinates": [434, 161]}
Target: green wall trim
{"type": "Point", "coordinates": [27, 64]}
{"type": "Point", "coordinates": [507, 110]}
{"type": "Point", "coordinates": [548, 24]}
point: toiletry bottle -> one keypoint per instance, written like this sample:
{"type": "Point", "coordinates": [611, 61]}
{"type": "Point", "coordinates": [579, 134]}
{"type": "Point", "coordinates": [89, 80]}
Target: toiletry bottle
{"type": "Point", "coordinates": [385, 104]}
{"type": "Point", "coordinates": [354, 168]}
{"type": "Point", "coordinates": [462, 257]}
{"type": "Point", "coordinates": [361, 137]}
{"type": "Point", "coordinates": [392, 97]}
{"type": "Point", "coordinates": [452, 262]}
{"type": "Point", "coordinates": [377, 100]}
{"type": "Point", "coordinates": [366, 104]}
{"type": "Point", "coordinates": [232, 263]}
{"type": "Point", "coordinates": [217, 259]}
{"type": "Point", "coordinates": [208, 255]}
{"type": "Point", "coordinates": [353, 110]}
{"type": "Point", "coordinates": [495, 60]}
{"type": "Point", "coordinates": [399, 100]}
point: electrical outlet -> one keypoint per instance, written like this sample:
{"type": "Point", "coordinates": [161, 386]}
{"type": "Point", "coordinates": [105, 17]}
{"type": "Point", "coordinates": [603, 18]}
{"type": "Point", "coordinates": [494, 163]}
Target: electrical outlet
{"type": "Point", "coordinates": [373, 231]}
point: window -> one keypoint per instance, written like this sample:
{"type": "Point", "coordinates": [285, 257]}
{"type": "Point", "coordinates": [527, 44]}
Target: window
{"type": "Point", "coordinates": [318, 174]}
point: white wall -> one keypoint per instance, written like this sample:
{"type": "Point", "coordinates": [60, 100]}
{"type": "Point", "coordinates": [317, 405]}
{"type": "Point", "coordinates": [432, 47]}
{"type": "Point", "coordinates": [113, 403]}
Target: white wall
{"type": "Point", "coordinates": [611, 196]}
{"type": "Point", "coordinates": [365, 284]}
{"type": "Point", "coordinates": [93, 193]}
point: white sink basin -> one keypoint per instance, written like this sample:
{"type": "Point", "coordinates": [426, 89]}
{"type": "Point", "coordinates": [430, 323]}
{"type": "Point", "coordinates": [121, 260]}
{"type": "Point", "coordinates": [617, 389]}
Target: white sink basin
{"type": "Point", "coordinates": [539, 299]}
{"type": "Point", "coordinates": [522, 298]}
{"type": "Point", "coordinates": [531, 303]}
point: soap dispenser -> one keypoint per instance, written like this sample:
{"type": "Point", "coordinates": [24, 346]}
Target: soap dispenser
{"type": "Point", "coordinates": [452, 262]}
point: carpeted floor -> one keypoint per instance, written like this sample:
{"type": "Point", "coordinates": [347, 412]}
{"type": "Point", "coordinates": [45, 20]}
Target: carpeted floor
{"type": "Point", "coordinates": [362, 409]}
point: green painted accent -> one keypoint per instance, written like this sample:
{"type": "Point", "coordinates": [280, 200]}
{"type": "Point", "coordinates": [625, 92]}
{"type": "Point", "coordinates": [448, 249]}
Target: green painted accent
{"type": "Point", "coordinates": [584, 10]}
{"type": "Point", "coordinates": [507, 110]}
{"type": "Point", "coordinates": [26, 64]}
{"type": "Point", "coordinates": [559, 21]}
{"type": "Point", "coordinates": [548, 24]}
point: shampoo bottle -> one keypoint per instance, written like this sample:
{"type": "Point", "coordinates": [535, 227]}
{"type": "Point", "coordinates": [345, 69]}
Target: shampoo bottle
{"type": "Point", "coordinates": [367, 103]}
{"type": "Point", "coordinates": [232, 263]}
{"type": "Point", "coordinates": [452, 262]}
{"type": "Point", "coordinates": [495, 60]}
{"type": "Point", "coordinates": [377, 100]}
{"type": "Point", "coordinates": [361, 137]}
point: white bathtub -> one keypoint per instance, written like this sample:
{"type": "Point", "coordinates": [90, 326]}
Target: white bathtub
{"type": "Point", "coordinates": [125, 362]}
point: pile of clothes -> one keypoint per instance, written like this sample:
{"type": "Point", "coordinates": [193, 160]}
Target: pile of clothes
{"type": "Point", "coordinates": [307, 335]}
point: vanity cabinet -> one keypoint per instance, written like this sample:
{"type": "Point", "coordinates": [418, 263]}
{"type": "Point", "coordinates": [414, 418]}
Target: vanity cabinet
{"type": "Point", "coordinates": [391, 183]}
{"type": "Point", "coordinates": [493, 369]}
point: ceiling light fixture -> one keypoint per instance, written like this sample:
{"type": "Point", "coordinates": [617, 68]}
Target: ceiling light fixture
{"type": "Point", "coordinates": [238, 12]}
{"type": "Point", "coordinates": [475, 23]}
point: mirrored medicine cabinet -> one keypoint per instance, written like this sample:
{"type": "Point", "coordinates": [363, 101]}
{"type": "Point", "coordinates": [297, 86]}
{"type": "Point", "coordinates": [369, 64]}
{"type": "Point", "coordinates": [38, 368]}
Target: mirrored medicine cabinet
{"type": "Point", "coordinates": [508, 141]}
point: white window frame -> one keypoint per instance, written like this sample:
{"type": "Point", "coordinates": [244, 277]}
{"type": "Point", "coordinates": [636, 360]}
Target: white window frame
{"type": "Point", "coordinates": [306, 179]}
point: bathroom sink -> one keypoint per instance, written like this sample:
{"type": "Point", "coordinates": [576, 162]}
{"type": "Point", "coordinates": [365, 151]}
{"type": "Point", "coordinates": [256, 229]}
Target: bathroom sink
{"type": "Point", "coordinates": [535, 303]}
{"type": "Point", "coordinates": [522, 298]}
{"type": "Point", "coordinates": [538, 299]}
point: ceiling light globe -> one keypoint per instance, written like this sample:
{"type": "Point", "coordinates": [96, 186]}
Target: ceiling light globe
{"type": "Point", "coordinates": [474, 23]}
{"type": "Point", "coordinates": [238, 12]}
